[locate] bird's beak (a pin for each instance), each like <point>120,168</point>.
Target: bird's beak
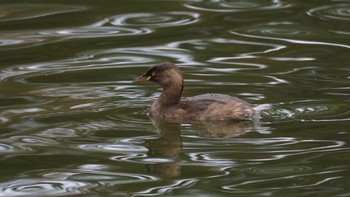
<point>141,79</point>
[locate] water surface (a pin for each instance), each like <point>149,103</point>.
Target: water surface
<point>72,124</point>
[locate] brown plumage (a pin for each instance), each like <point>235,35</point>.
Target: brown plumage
<point>202,107</point>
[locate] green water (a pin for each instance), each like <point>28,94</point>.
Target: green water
<point>73,124</point>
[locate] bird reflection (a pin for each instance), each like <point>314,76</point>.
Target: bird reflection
<point>168,144</point>
<point>222,129</point>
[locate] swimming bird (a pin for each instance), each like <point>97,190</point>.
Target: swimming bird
<point>211,107</point>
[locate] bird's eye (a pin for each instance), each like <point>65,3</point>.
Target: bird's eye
<point>153,73</point>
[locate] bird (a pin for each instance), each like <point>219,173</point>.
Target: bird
<point>204,107</point>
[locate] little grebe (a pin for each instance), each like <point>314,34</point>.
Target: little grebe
<point>202,107</point>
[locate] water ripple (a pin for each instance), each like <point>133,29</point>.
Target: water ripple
<point>284,30</point>
<point>277,170</point>
<point>5,148</point>
<point>305,178</point>
<point>20,39</point>
<point>99,61</point>
<point>263,33</point>
<point>13,12</point>
<point>254,49</point>
<point>41,187</point>
<point>207,159</point>
<point>339,12</point>
<point>266,149</point>
<point>115,148</point>
<point>236,6</point>
<point>166,189</point>
<point>92,32</point>
<point>26,38</point>
<point>155,20</point>
<point>306,111</point>
<point>79,180</point>
<point>99,29</point>
<point>28,143</point>
<point>58,133</point>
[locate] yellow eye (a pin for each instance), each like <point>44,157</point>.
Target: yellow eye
<point>153,73</point>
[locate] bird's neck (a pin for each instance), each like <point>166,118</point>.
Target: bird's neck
<point>171,94</point>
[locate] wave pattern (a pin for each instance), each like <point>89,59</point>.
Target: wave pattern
<point>236,6</point>
<point>339,12</point>
<point>155,20</point>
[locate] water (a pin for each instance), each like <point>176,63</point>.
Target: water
<point>72,124</point>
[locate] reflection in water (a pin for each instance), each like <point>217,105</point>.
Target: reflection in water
<point>223,129</point>
<point>169,143</point>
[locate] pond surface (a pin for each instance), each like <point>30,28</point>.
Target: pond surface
<point>73,124</point>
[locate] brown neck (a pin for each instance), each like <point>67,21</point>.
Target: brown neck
<point>171,94</point>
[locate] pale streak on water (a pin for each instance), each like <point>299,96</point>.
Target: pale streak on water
<point>72,124</point>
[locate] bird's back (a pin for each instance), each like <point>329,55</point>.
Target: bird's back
<point>211,107</point>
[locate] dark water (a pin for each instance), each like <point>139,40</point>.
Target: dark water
<point>72,124</point>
